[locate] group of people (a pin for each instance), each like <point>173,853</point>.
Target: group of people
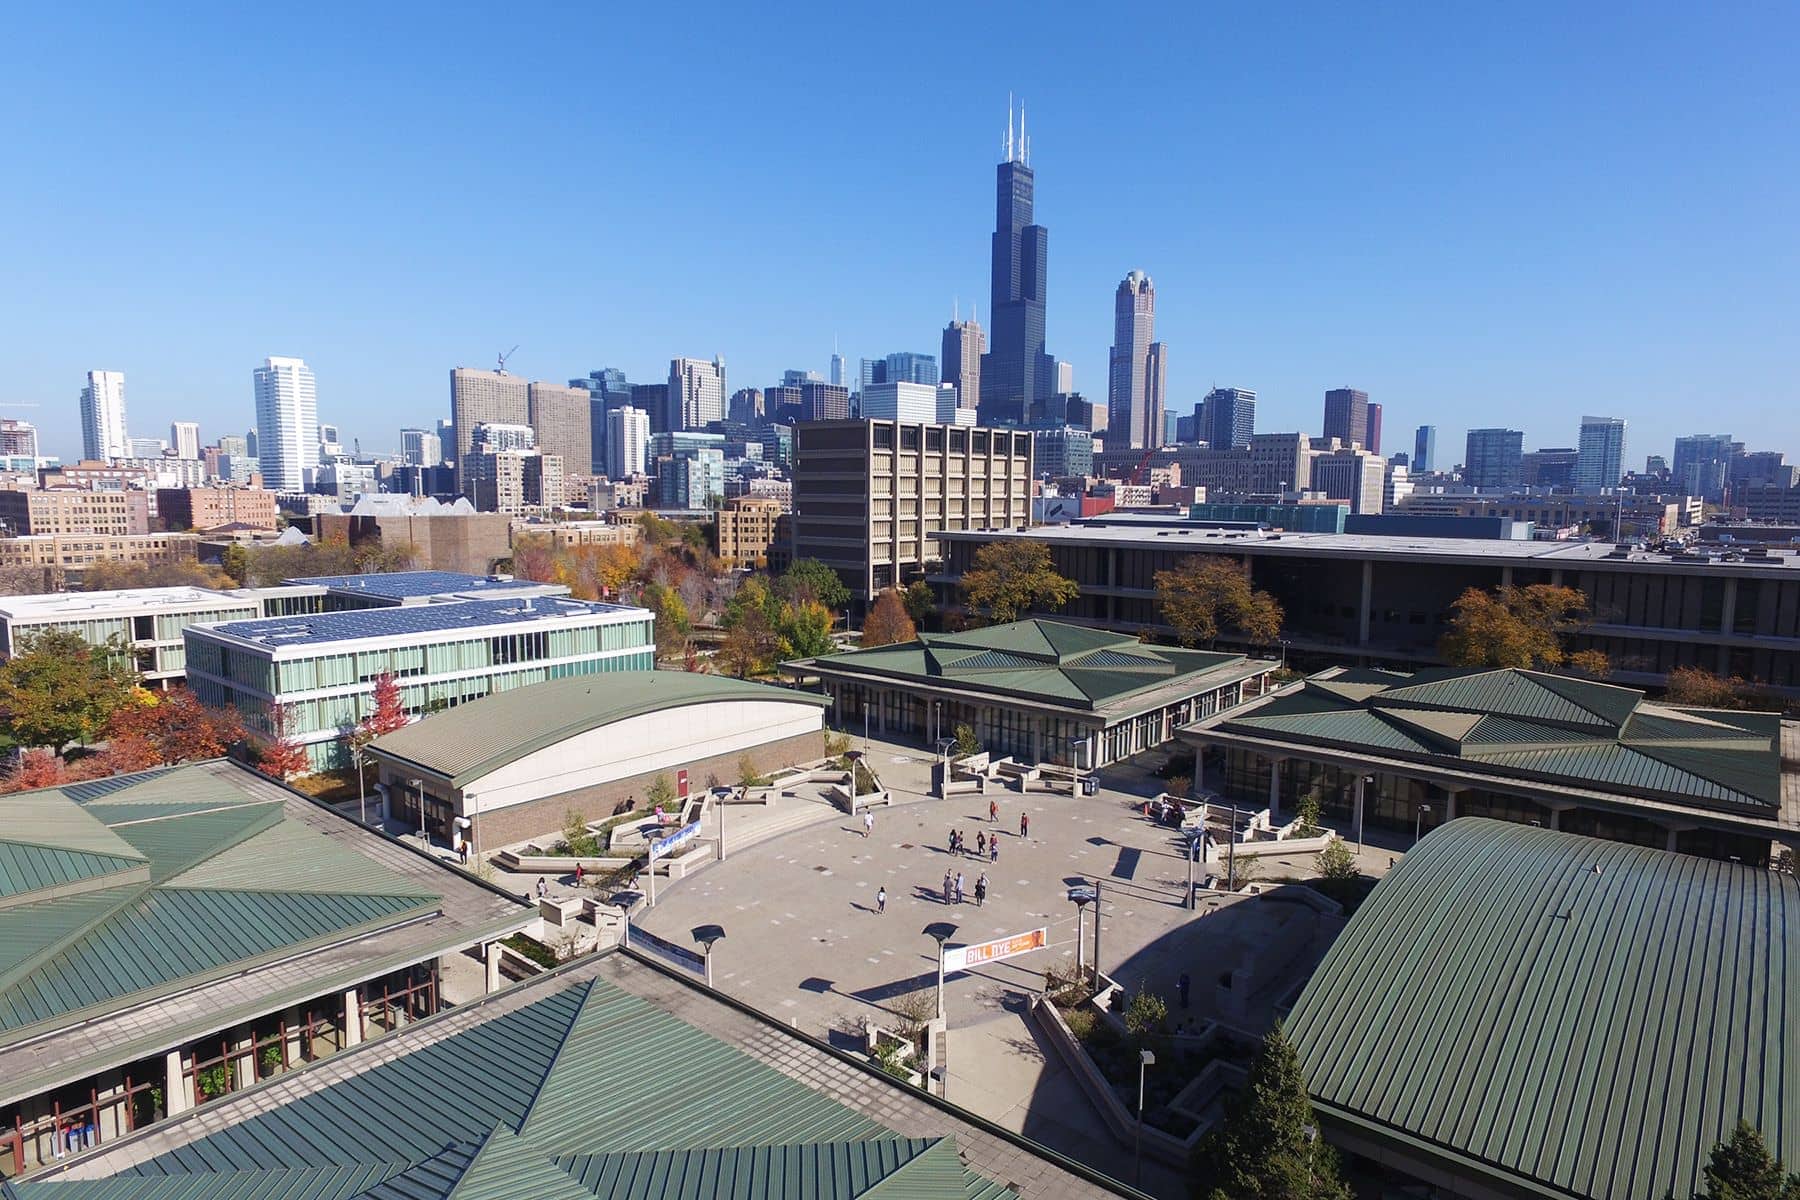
<point>953,888</point>
<point>985,847</point>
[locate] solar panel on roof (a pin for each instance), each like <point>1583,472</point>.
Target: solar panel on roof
<point>384,622</point>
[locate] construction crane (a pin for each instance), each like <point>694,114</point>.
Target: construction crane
<point>504,357</point>
<point>1137,476</point>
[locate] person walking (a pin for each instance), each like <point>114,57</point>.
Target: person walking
<point>868,822</point>
<point>578,874</point>
<point>993,850</point>
<point>1024,825</point>
<point>959,887</point>
<point>993,810</point>
<point>981,845</point>
<point>952,841</point>
<point>543,889</point>
<point>881,900</point>
<point>981,890</point>
<point>947,883</point>
<point>1181,988</point>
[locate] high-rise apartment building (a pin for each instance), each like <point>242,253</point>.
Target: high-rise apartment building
<point>607,389</point>
<point>627,435</point>
<point>964,344</point>
<point>1601,451</point>
<point>915,402</point>
<point>563,421</point>
<point>746,407</point>
<point>696,393</point>
<point>839,368</point>
<point>903,366</point>
<point>1374,427</point>
<point>490,437</point>
<point>1062,453</point>
<point>1350,473</point>
<point>1136,368</point>
<point>1549,467</point>
<point>1347,416</point>
<point>420,448</point>
<point>103,433</point>
<point>1703,465</point>
<point>868,495</point>
<point>824,402</point>
<point>478,397</point>
<point>514,481</point>
<point>184,437</point>
<point>1016,370</point>
<point>287,422</point>
<point>1424,449</point>
<point>1065,377</point>
<point>18,439</point>
<point>1226,419</point>
<point>1494,458</point>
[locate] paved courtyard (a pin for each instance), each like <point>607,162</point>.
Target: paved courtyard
<point>805,942</point>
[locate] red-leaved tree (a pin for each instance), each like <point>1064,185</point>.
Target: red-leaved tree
<point>175,727</point>
<point>389,712</point>
<point>280,756</point>
<point>35,769</point>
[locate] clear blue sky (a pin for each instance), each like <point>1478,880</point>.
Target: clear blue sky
<point>1494,215</point>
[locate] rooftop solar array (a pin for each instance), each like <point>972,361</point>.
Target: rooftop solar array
<point>313,629</point>
<point>406,585</point>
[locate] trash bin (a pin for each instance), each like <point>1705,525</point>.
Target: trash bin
<point>1090,786</point>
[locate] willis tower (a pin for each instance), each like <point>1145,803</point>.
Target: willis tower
<point>1016,372</point>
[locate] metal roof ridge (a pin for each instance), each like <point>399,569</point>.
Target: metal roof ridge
<point>50,950</point>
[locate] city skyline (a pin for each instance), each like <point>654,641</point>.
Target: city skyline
<point>1471,295</point>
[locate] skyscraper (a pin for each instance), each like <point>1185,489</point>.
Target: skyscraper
<point>1600,453</point>
<point>184,437</point>
<point>902,366</point>
<point>964,343</point>
<point>627,434</point>
<point>696,393</point>
<point>1226,419</point>
<point>1424,449</point>
<point>746,407</point>
<point>1374,427</point>
<point>18,439</point>
<point>419,448</point>
<point>562,419</point>
<point>478,397</point>
<point>1136,368</point>
<point>1347,416</point>
<point>103,433</point>
<point>1702,465</point>
<point>838,367</point>
<point>1016,370</point>
<point>1494,458</point>
<point>287,422</point>
<point>824,402</point>
<point>1065,377</point>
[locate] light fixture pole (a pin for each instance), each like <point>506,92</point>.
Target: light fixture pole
<point>1419,822</point>
<point>720,794</point>
<point>1146,1060</point>
<point>706,935</point>
<point>1081,895</point>
<point>1368,785</point>
<point>941,932</point>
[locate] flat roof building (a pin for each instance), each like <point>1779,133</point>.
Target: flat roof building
<point>513,764</point>
<point>1389,599</point>
<point>173,936</point>
<point>148,622</point>
<point>314,674</point>
<point>1041,691</point>
<point>394,589</point>
<point>1416,751</point>
<point>1518,1012</point>
<point>74,510</point>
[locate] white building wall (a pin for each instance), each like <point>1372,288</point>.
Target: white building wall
<point>666,740</point>
<point>287,422</point>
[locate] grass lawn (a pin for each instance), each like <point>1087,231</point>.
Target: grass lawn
<point>329,786</point>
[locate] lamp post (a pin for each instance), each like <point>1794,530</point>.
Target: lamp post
<point>720,795</point>
<point>856,770</point>
<point>941,932</point>
<point>1146,1060</point>
<point>943,749</point>
<point>1368,785</point>
<point>362,788</point>
<point>1081,895</point>
<point>706,935</point>
<point>1196,847</point>
<point>1419,822</point>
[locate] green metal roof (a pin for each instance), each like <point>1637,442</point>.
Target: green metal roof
<point>474,739</point>
<point>590,1091</point>
<point>1072,665</point>
<point>166,880</point>
<point>1543,728</point>
<point>1570,1016</point>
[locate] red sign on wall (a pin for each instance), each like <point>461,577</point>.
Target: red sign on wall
<point>681,783</point>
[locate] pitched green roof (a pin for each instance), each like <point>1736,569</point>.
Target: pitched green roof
<point>1542,728</point>
<point>473,739</point>
<point>1562,1014</point>
<point>588,1091</point>
<point>1072,665</point>
<point>164,880</point>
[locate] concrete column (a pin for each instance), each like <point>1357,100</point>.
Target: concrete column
<point>1727,619</point>
<point>492,958</point>
<point>176,1098</point>
<point>1368,600</point>
<point>1359,811</point>
<point>244,1068</point>
<point>1199,770</point>
<point>1450,795</point>
<point>1669,843</point>
<point>1556,818</point>
<point>1506,576</point>
<point>1275,789</point>
<point>353,1030</point>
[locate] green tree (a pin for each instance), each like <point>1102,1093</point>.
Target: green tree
<point>810,579</point>
<point>1268,1146</point>
<point>1208,596</point>
<point>920,603</point>
<point>1741,1168</point>
<point>673,625</point>
<point>966,741</point>
<point>1009,579</point>
<point>59,689</point>
<point>806,630</point>
<point>1312,818</point>
<point>235,560</point>
<point>1337,861</point>
<point>1519,627</point>
<point>661,793</point>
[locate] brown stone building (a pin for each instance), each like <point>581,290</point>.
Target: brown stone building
<point>446,540</point>
<point>74,510</point>
<point>211,507</point>
<point>746,530</point>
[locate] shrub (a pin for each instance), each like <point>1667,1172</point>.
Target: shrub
<point>966,741</point>
<point>1180,785</point>
<point>836,744</point>
<point>1080,1022</point>
<point>662,792</point>
<point>1145,1014</point>
<point>1311,817</point>
<point>1337,862</point>
<point>914,1009</point>
<point>748,775</point>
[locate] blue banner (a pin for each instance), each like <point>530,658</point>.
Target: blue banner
<point>662,847</point>
<point>666,950</point>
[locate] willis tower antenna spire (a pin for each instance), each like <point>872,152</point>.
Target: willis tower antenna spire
<point>1016,372</point>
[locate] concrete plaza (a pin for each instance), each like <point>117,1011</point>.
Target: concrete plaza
<point>804,940</point>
